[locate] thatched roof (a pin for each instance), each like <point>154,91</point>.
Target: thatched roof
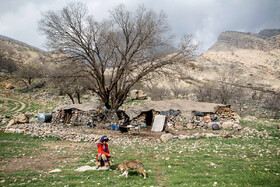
<point>82,107</point>
<point>184,106</point>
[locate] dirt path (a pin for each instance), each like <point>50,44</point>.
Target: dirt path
<point>17,102</point>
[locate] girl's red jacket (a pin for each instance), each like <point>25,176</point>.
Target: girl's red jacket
<point>101,149</point>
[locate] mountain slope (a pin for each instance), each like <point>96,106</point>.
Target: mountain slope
<point>18,51</point>
<point>255,56</point>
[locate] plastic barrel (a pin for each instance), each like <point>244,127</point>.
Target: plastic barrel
<point>116,127</point>
<point>112,127</point>
<point>43,117</point>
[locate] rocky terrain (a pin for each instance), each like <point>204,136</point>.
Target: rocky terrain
<point>265,40</point>
<point>255,58</point>
<point>18,51</point>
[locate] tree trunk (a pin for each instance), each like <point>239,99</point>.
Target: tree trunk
<point>29,80</point>
<point>71,97</point>
<point>78,97</point>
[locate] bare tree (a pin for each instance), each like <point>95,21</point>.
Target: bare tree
<point>226,89</point>
<point>117,52</point>
<point>30,71</point>
<point>66,81</point>
<point>7,64</point>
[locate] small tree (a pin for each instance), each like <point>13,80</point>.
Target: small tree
<point>66,81</point>
<point>227,89</point>
<point>7,64</point>
<point>118,52</point>
<point>30,71</point>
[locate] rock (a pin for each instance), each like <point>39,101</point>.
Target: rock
<point>141,95</point>
<point>227,125</point>
<point>10,130</point>
<point>166,137</point>
<point>85,168</point>
<point>138,95</point>
<point>190,126</point>
<point>55,171</point>
<point>22,118</point>
<point>250,118</point>
<point>179,125</point>
<point>206,119</point>
<point>12,122</point>
<point>183,137</point>
<point>236,126</point>
<point>196,135</point>
<point>9,86</point>
<point>133,94</point>
<point>210,135</point>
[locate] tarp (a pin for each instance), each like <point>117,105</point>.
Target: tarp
<point>82,107</point>
<point>182,105</point>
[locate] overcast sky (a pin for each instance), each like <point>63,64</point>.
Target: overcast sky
<point>205,19</point>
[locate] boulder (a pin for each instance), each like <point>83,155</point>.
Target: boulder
<point>133,94</point>
<point>138,95</point>
<point>10,87</point>
<point>227,125</point>
<point>141,95</point>
<point>166,137</point>
<point>12,122</point>
<point>22,118</point>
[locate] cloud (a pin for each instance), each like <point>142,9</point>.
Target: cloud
<point>205,19</point>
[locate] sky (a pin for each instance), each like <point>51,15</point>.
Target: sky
<point>204,19</point>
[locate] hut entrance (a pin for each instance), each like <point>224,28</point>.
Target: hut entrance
<point>148,117</point>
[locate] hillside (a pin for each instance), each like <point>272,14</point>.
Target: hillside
<point>256,57</point>
<point>19,51</point>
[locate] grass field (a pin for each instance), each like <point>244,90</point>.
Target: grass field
<point>26,161</point>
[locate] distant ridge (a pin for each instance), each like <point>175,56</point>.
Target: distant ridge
<point>265,40</point>
<point>6,38</point>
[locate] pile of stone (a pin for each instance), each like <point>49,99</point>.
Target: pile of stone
<point>224,118</point>
<point>21,118</point>
<point>69,133</point>
<point>50,130</point>
<point>175,121</point>
<point>74,117</point>
<point>84,114</point>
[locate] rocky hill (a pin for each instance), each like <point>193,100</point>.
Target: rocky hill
<point>266,40</point>
<point>256,57</point>
<point>18,51</point>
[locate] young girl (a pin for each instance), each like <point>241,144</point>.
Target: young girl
<point>103,152</point>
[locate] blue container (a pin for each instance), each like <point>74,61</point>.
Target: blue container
<point>116,127</point>
<point>43,117</point>
<point>112,127</point>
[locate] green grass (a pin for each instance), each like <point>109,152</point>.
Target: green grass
<point>192,162</point>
